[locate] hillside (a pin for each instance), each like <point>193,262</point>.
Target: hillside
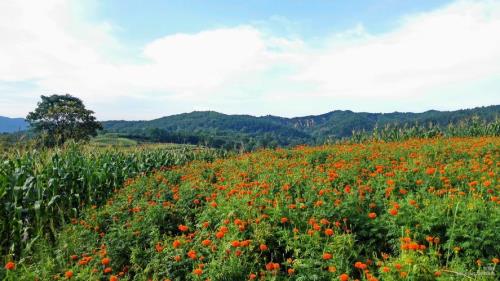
<point>9,125</point>
<point>219,129</point>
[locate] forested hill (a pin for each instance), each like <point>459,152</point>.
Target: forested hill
<point>9,125</point>
<point>217,129</point>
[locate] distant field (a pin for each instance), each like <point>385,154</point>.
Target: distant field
<point>112,140</point>
<point>421,209</point>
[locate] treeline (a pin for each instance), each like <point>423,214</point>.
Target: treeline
<point>246,133</point>
<point>225,140</point>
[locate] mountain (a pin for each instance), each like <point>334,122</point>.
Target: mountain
<point>217,129</point>
<point>10,125</point>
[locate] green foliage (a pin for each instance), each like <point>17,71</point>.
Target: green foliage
<point>422,209</point>
<point>247,133</point>
<point>59,118</point>
<point>40,190</point>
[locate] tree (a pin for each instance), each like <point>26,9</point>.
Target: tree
<point>59,118</point>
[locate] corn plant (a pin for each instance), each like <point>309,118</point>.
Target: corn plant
<point>41,190</point>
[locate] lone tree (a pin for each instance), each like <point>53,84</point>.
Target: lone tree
<point>59,118</point>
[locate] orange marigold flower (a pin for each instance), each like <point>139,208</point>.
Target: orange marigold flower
<point>291,271</point>
<point>393,212</point>
<point>219,235</point>
<point>235,243</point>
<point>284,220</point>
<point>192,254</point>
<point>105,261</point>
<point>198,271</point>
<point>386,269</point>
<point>107,270</point>
<point>252,276</point>
<point>327,256</point>
<point>10,265</point>
<point>68,274</point>
<point>113,278</point>
<point>329,232</point>
<point>183,228</point>
<point>263,247</point>
<point>176,243</point>
<point>159,247</point>
<point>343,277</point>
<point>206,242</point>
<point>372,215</point>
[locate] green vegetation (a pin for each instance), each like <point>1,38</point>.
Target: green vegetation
<point>422,209</point>
<point>59,118</point>
<point>41,190</point>
<point>112,140</point>
<point>246,133</point>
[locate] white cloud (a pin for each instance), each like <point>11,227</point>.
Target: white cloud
<point>420,65</point>
<point>455,44</point>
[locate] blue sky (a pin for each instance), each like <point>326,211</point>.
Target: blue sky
<point>145,59</point>
<point>141,21</point>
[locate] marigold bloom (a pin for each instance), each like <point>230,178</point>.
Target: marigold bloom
<point>107,270</point>
<point>263,247</point>
<point>68,274</point>
<point>198,271</point>
<point>235,243</point>
<point>343,277</point>
<point>329,232</point>
<point>105,261</point>
<point>183,228</point>
<point>206,242</point>
<point>113,278</point>
<point>176,243</point>
<point>192,254</point>
<point>219,235</point>
<point>10,265</point>
<point>393,212</point>
<point>284,220</point>
<point>372,215</point>
<point>327,256</point>
<point>159,247</point>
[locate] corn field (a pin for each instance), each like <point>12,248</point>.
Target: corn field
<point>473,127</point>
<point>42,190</point>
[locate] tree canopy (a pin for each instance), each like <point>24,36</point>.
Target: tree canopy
<point>59,118</point>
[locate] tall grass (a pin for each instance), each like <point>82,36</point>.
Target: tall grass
<point>40,190</point>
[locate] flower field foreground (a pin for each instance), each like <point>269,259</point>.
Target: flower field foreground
<point>412,210</point>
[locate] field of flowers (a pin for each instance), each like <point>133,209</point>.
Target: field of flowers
<point>412,210</point>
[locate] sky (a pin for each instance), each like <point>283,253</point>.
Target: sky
<point>131,59</point>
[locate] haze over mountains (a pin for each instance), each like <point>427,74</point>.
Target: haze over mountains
<point>10,125</point>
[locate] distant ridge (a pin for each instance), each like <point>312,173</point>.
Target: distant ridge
<point>10,125</point>
<point>211,126</point>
